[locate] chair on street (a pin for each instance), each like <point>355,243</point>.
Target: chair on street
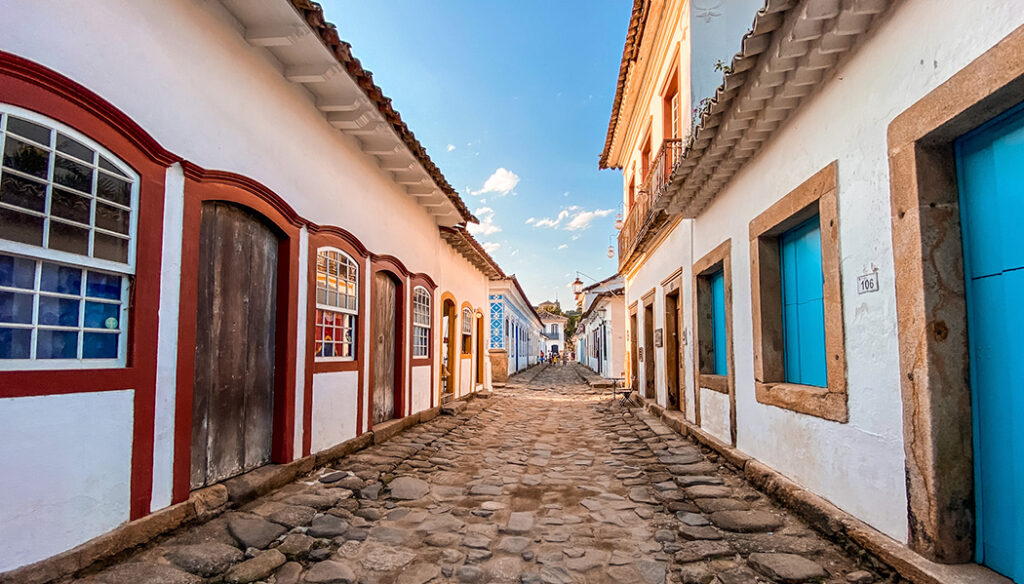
<point>625,392</point>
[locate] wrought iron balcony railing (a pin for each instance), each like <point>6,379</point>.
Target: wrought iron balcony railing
<point>651,189</point>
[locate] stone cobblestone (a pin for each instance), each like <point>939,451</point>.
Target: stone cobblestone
<point>548,481</point>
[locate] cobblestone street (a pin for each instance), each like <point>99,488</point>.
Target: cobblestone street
<point>546,481</point>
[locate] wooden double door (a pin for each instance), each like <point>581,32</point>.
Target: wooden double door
<point>386,347</point>
<point>235,352</point>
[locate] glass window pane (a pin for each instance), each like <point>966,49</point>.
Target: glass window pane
<point>20,227</point>
<point>17,272</point>
<point>112,248</point>
<point>56,344</point>
<point>108,165</point>
<point>100,285</point>
<point>102,315</point>
<point>70,206</point>
<point>27,129</point>
<point>69,238</point>
<point>99,346</point>
<point>26,157</point>
<point>60,279</point>
<point>25,193</point>
<point>72,174</point>
<point>15,343</point>
<point>74,148</point>
<point>112,218</point>
<point>16,308</point>
<point>58,311</point>
<point>114,189</point>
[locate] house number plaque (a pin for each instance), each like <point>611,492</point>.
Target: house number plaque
<point>867,283</point>
<point>659,337</point>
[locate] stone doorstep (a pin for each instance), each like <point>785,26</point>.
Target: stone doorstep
<point>826,518</point>
<point>203,504</point>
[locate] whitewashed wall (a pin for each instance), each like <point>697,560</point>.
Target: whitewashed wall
<point>66,471</point>
<point>335,398</point>
<point>422,383</point>
<point>859,466</point>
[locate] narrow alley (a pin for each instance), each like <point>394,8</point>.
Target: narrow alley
<point>546,480</point>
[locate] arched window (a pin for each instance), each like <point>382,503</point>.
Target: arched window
<point>420,322</point>
<point>67,246</point>
<point>337,305</point>
<point>467,330</point>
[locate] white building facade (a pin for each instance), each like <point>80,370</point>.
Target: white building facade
<point>601,332</point>
<point>833,136</point>
<point>140,143</point>
<point>516,329</point>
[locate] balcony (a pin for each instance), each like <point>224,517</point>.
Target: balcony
<point>643,215</point>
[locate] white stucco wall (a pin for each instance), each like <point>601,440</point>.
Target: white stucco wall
<point>859,466</point>
<point>334,408</point>
<point>421,388</point>
<point>76,451</point>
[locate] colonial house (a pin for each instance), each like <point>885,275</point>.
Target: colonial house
<point>554,331</point>
<point>516,329</point>
<point>220,248</point>
<point>832,232</point>
<point>600,332</point>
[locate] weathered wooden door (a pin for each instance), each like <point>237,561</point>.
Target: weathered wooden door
<point>649,351</point>
<point>384,347</point>
<point>672,359</point>
<point>634,375</point>
<point>991,176</point>
<point>233,389</point>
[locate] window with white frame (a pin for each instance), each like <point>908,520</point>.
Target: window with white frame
<point>67,246</point>
<point>337,305</point>
<point>467,331</point>
<point>420,322</point>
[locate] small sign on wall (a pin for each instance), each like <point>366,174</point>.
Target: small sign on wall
<point>659,337</point>
<point>867,283</point>
<point>640,353</point>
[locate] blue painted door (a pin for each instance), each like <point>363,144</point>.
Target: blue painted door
<point>803,304</point>
<point>991,174</point>
<point>718,318</point>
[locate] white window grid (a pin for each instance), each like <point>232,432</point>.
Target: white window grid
<point>337,292</point>
<point>467,321</point>
<point>102,163</point>
<point>421,322</point>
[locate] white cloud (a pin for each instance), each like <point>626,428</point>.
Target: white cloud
<point>451,147</point>
<point>531,220</point>
<point>582,219</point>
<point>486,225</point>
<point>576,236</point>
<point>564,246</point>
<point>572,218</point>
<point>514,253</point>
<point>491,246</point>
<point>501,182</point>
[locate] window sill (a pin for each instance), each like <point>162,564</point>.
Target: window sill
<point>811,400</point>
<point>332,366</point>
<point>719,383</point>
<point>421,361</point>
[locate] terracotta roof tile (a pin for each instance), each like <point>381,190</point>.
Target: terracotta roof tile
<point>313,13</point>
<point>634,33</point>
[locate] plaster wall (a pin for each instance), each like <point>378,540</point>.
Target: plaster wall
<point>859,466</point>
<point>334,408</point>
<point>152,59</point>
<point>673,253</point>
<point>421,388</point>
<point>77,449</point>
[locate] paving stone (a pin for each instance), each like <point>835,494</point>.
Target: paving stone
<point>860,577</point>
<point>489,490</point>
<point>333,477</point>
<point>296,545</point>
<point>409,488</point>
<point>708,492</point>
<point>737,575</point>
<point>651,571</point>
<point>386,558</point>
<point>318,502</point>
<point>694,551</point>
<point>293,515</point>
<point>696,573</point>
<point>642,495</point>
<point>555,575</point>
<point>327,526</point>
<point>712,505</point>
<point>257,568</point>
<point>370,491</point>
<point>692,519</point>
<point>289,573</point>
<point>787,568</point>
<point>513,544</point>
<point>251,531</point>
<point>746,521</point>
<point>393,535</point>
<point>208,559</point>
<point>137,572</point>
<point>330,572</point>
<point>469,573</point>
<point>695,480</point>
<point>692,533</point>
<point>519,522</point>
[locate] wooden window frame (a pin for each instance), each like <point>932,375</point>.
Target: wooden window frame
<point>717,259</point>
<point>354,313</point>
<point>466,338</point>
<point>931,308</point>
<point>419,281</point>
<point>818,195</point>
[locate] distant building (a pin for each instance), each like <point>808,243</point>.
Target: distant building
<point>550,305</point>
<point>516,329</point>
<point>554,330</point>
<point>600,332</point>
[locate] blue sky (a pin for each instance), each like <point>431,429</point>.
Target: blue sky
<point>511,100</point>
